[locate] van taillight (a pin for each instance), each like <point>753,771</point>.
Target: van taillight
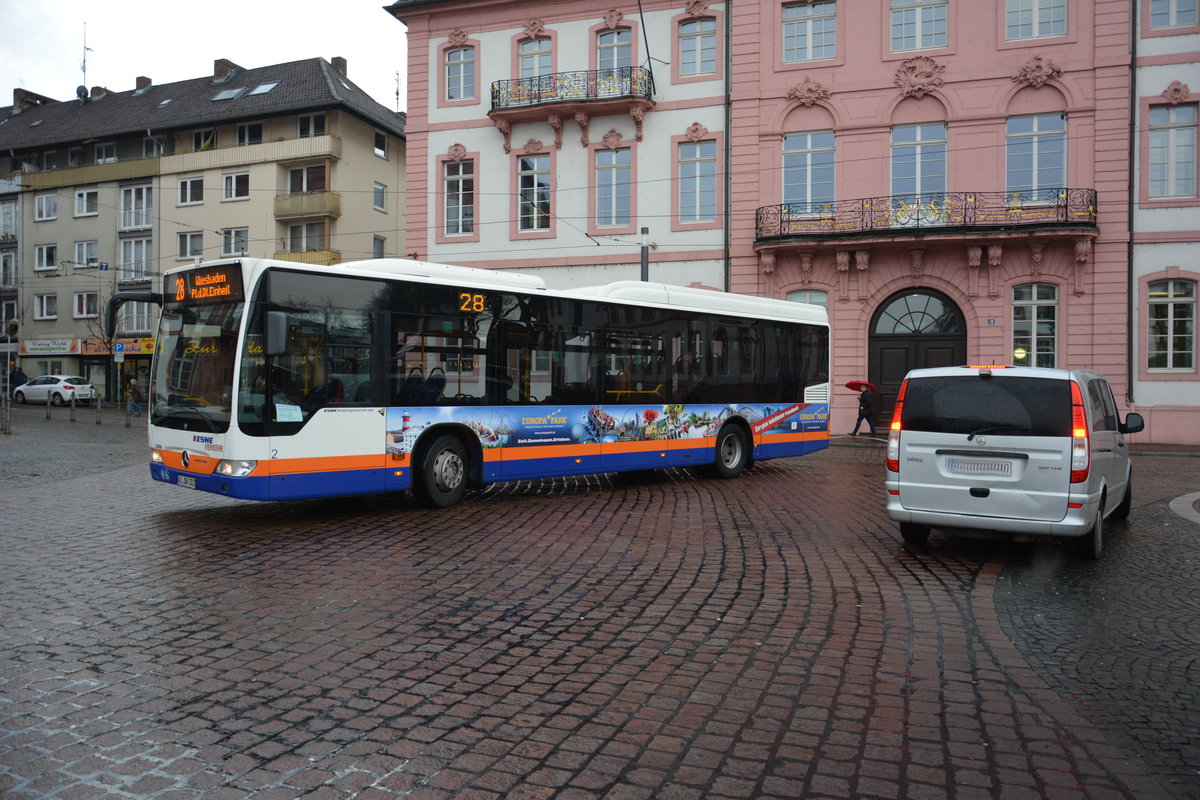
<point>893,444</point>
<point>1080,447</point>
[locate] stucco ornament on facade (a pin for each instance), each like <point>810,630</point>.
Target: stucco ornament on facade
<point>534,28</point>
<point>1036,71</point>
<point>807,92</point>
<point>582,120</point>
<point>696,8</point>
<point>638,115</point>
<point>534,146</point>
<point>556,125</point>
<point>612,139</point>
<point>1035,259</point>
<point>457,37</point>
<point>1083,254</point>
<point>919,76</point>
<point>696,132</point>
<point>612,19</point>
<point>456,152</point>
<point>974,259</point>
<point>1176,93</point>
<point>505,129</point>
<point>806,268</point>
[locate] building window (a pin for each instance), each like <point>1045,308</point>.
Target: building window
<point>1035,19</point>
<point>45,256</point>
<point>191,191</point>
<point>614,194</point>
<point>106,152</point>
<point>191,244</point>
<point>1172,13</point>
<point>698,47</point>
<point>1171,342</point>
<point>614,49</point>
<point>87,305</point>
<point>235,241</point>
<point>8,268</point>
<point>460,73</point>
<point>135,259</point>
<point>918,24</point>
<point>1036,157</point>
<point>204,140</point>
<point>459,182</point>
<point>45,207</point>
<point>698,181</point>
<point>381,144</point>
<point>45,306</point>
<point>378,246</point>
<point>306,236</point>
<point>249,133</point>
<point>809,31</point>
<point>237,186</point>
<point>136,317</point>
<point>87,254</point>
<point>137,207</point>
<point>1173,151</point>
<point>87,202</point>
<point>379,195</point>
<point>918,163</point>
<point>1035,325</point>
<point>811,296</point>
<point>50,159</point>
<point>533,199</point>
<point>153,146</point>
<point>307,179</point>
<point>8,220</point>
<point>75,156</point>
<point>534,56</point>
<point>808,172</point>
<point>311,125</point>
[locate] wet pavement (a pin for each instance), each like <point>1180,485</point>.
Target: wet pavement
<point>677,637</point>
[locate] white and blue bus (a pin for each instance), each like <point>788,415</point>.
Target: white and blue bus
<point>276,380</point>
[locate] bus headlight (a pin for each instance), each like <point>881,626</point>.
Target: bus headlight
<point>236,469</point>
<point>156,457</point>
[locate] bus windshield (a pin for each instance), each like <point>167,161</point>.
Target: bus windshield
<point>192,384</point>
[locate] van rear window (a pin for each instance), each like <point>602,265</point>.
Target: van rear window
<point>1001,406</point>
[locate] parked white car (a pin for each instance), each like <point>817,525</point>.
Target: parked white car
<point>61,389</point>
<point>1025,452</point>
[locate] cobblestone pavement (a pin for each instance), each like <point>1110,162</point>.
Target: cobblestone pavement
<point>675,638</point>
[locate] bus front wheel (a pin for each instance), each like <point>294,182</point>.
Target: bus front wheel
<point>443,473</point>
<point>733,452</point>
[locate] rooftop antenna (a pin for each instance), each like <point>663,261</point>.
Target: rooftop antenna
<point>397,91</point>
<point>86,50</point>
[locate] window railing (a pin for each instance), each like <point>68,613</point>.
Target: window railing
<point>938,211</point>
<point>566,87</point>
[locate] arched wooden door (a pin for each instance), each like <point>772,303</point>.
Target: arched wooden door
<point>912,329</point>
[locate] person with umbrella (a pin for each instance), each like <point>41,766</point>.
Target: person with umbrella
<point>866,405</point>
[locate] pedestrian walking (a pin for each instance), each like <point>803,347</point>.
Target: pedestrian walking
<point>866,410</point>
<point>135,396</point>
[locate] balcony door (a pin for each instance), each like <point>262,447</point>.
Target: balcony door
<point>912,329</point>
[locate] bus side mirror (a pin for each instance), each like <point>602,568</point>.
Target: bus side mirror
<point>277,333</point>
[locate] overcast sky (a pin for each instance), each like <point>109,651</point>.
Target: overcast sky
<point>171,41</point>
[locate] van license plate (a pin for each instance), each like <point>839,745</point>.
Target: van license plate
<point>186,480</point>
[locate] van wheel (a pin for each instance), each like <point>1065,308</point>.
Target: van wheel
<point>1091,544</point>
<point>1122,510</point>
<point>733,452</point>
<point>442,481</point>
<point>913,533</point>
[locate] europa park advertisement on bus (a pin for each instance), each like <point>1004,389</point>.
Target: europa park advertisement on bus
<point>540,425</point>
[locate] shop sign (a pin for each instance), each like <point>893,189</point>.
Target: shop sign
<point>49,347</point>
<point>131,347</point>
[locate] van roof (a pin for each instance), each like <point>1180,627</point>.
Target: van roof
<point>1003,370</point>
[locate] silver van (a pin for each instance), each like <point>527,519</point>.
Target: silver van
<point>1019,451</point>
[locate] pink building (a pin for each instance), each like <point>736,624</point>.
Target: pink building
<point>952,180</point>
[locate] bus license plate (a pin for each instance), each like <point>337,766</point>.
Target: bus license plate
<point>186,480</point>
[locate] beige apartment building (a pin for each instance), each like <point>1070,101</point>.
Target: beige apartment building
<point>108,190</point>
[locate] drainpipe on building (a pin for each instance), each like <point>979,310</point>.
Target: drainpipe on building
<point>728,140</point>
<point>1131,284</point>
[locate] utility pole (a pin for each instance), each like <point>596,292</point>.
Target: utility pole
<point>645,254</point>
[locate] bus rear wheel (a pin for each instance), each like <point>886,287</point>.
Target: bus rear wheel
<point>442,480</point>
<point>733,452</point>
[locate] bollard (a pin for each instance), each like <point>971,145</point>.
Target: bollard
<point>72,406</point>
<point>128,414</point>
<point>48,406</point>
<point>98,404</point>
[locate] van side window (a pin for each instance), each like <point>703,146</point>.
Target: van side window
<point>1103,418</point>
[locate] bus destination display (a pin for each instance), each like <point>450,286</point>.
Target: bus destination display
<point>206,285</point>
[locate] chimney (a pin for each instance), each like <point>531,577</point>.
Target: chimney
<point>339,64</point>
<point>142,82</point>
<point>223,68</point>
<point>98,91</point>
<point>23,98</point>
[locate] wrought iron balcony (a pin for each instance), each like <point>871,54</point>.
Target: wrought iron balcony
<point>573,87</point>
<point>941,212</point>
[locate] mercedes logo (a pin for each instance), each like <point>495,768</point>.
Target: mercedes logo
<point>186,458</point>
<point>979,440</point>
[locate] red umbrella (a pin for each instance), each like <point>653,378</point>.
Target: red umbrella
<point>858,386</point>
